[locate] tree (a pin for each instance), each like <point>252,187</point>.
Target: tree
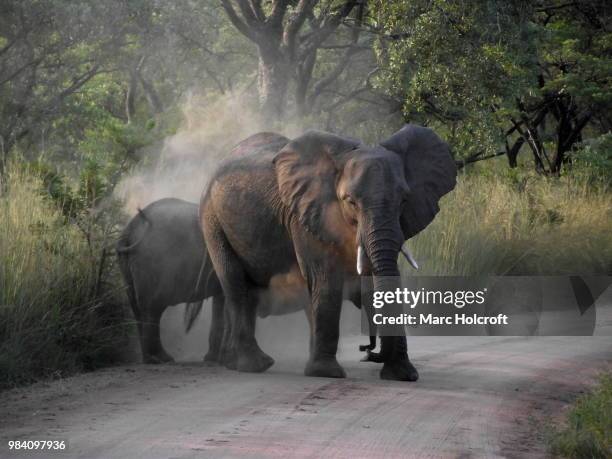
<point>48,53</point>
<point>500,78</point>
<point>287,37</point>
<point>574,91</point>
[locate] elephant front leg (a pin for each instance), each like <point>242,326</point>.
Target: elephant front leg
<point>393,347</point>
<point>326,304</point>
<point>397,365</point>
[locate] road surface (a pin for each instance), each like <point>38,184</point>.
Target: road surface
<point>477,397</point>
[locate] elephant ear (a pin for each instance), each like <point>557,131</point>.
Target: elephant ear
<point>306,171</point>
<point>430,173</point>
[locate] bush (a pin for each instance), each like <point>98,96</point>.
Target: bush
<point>593,159</point>
<point>60,307</point>
<point>588,430</point>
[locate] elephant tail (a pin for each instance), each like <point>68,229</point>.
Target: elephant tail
<point>126,271</point>
<point>207,286</point>
<point>123,245</point>
<point>192,311</point>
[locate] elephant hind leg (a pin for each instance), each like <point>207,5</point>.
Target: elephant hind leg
<point>248,355</point>
<point>311,325</point>
<point>215,335</point>
<point>227,354</point>
<point>152,349</point>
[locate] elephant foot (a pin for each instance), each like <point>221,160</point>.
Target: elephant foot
<point>211,359</point>
<point>325,368</point>
<point>254,361</point>
<point>399,370</point>
<point>372,357</point>
<point>160,357</point>
<point>229,360</point>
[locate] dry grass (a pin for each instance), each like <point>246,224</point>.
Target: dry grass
<point>532,225</point>
<point>56,316</point>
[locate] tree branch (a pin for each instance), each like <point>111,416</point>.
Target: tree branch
<point>295,23</point>
<point>237,22</point>
<point>339,68</point>
<point>33,63</point>
<point>548,8</point>
<point>329,25</point>
<point>77,83</point>
<point>257,11</point>
<point>279,8</point>
<point>461,163</point>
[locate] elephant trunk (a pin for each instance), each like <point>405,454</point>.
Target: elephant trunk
<point>382,242</point>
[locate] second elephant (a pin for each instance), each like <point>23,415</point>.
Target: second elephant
<point>164,262</point>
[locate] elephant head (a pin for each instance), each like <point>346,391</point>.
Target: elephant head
<point>386,194</point>
<point>373,197</point>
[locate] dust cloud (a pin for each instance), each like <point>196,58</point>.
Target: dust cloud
<point>180,167</point>
<point>284,338</point>
<point>181,164</point>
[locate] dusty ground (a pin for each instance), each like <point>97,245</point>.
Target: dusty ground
<point>477,397</point>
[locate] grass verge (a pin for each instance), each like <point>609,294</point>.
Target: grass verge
<point>588,428</point>
<point>60,309</point>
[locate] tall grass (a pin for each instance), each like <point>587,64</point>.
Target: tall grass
<point>588,429</point>
<point>58,313</point>
<point>519,225</point>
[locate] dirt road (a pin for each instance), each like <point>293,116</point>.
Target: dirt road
<point>477,397</point>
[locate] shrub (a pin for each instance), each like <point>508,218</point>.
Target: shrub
<point>60,307</point>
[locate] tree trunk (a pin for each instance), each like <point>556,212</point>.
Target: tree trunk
<point>304,76</point>
<point>130,97</point>
<point>273,77</point>
<point>514,151</point>
<point>151,94</point>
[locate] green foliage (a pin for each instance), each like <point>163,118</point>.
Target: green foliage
<point>578,55</point>
<point>588,430</point>
<point>477,70</point>
<point>594,160</point>
<point>460,66</point>
<point>61,309</point>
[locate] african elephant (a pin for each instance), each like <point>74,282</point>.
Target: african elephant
<point>310,214</point>
<point>163,261</point>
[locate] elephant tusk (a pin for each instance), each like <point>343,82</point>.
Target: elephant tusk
<point>360,260</point>
<point>410,258</point>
